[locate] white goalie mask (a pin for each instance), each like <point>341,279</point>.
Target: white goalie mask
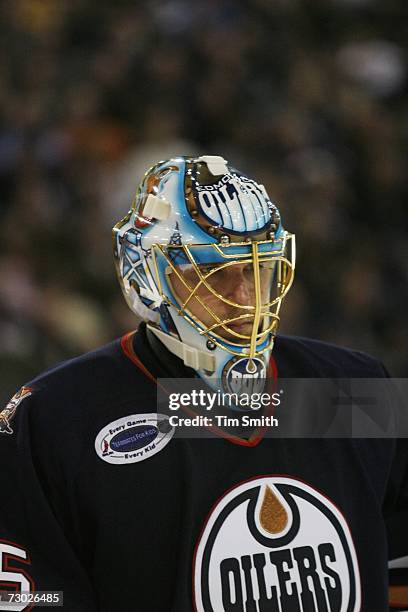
<point>203,257</point>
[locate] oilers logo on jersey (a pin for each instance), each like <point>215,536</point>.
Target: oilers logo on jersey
<point>275,543</point>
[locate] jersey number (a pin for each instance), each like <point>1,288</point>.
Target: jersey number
<point>12,579</point>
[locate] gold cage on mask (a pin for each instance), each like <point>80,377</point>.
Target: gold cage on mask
<point>232,293</point>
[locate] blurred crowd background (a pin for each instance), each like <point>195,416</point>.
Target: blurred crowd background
<point>309,97</point>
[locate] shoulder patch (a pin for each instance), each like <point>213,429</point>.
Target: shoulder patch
<point>133,438</point>
<point>9,411</point>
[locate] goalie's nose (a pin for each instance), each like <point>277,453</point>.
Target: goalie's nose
<point>239,288</point>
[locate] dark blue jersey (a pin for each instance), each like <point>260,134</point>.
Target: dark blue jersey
<point>101,501</point>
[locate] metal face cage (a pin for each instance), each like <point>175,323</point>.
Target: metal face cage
<point>231,293</point>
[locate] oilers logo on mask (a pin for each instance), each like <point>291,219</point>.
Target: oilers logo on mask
<point>275,543</point>
<point>244,376</point>
<point>235,203</point>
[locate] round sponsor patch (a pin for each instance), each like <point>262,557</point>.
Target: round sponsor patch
<point>275,543</point>
<point>133,438</point>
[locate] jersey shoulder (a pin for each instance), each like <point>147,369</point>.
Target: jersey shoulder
<point>81,387</point>
<point>57,415</point>
<point>103,374</point>
<point>306,357</point>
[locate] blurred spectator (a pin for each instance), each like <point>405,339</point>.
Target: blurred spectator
<point>308,97</point>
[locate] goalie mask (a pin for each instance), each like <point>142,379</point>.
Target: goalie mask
<point>202,255</point>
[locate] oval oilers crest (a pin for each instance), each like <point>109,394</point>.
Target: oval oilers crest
<point>276,544</point>
<point>244,375</point>
<point>235,203</point>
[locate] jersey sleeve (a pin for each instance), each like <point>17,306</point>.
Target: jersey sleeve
<point>396,517</point>
<point>35,551</point>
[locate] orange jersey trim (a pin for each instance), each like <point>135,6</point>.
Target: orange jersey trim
<point>398,596</point>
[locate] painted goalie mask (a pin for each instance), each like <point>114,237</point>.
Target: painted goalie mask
<point>202,255</point>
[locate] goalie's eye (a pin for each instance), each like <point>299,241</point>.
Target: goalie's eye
<point>206,269</point>
<point>269,264</point>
